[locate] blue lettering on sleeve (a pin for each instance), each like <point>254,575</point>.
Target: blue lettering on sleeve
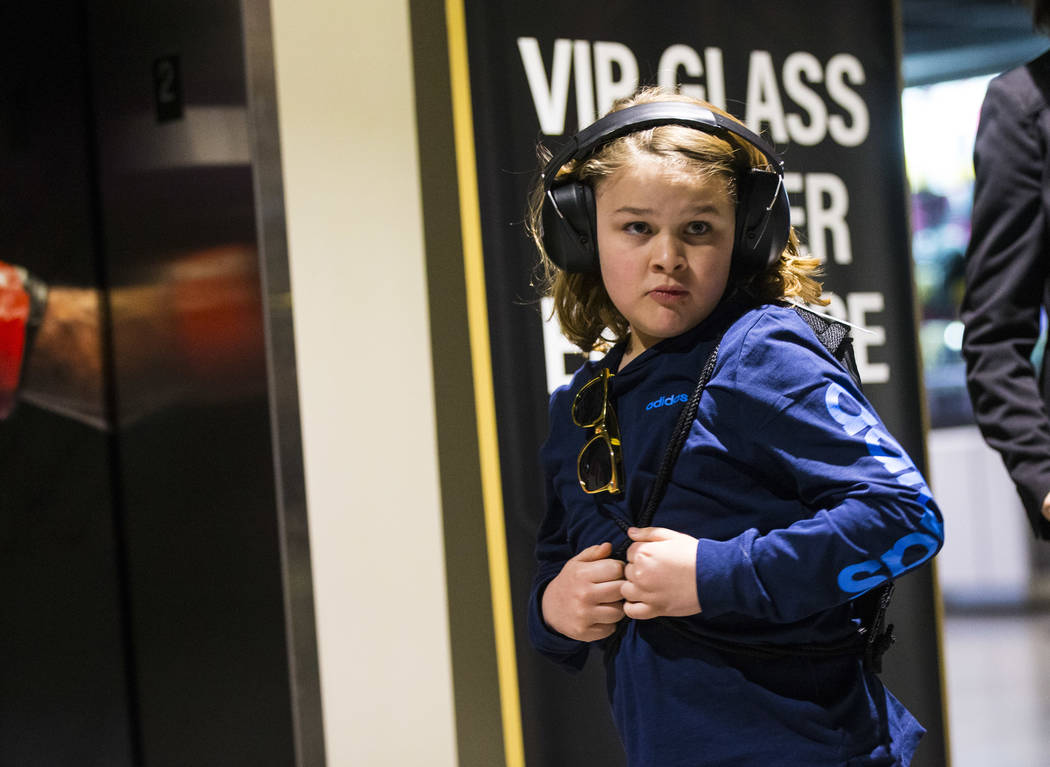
<point>848,577</point>
<point>886,451</point>
<point>894,558</point>
<point>854,418</point>
<point>851,415</point>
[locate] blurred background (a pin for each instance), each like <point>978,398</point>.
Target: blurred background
<point>993,575</point>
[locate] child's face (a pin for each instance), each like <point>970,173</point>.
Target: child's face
<point>665,240</point>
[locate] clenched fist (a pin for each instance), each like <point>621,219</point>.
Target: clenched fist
<point>583,601</point>
<point>660,574</point>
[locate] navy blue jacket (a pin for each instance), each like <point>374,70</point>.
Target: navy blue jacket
<point>800,501</point>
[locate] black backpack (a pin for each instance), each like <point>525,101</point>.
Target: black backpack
<point>873,637</point>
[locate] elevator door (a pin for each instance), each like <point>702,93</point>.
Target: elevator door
<point>197,491</point>
<point>144,519</point>
<point>65,691</point>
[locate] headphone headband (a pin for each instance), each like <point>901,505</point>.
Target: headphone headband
<point>643,116</point>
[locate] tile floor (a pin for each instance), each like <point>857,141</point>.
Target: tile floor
<point>998,683</point>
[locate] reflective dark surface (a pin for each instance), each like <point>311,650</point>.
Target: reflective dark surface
<point>152,520</point>
<point>195,458</point>
<point>64,686</point>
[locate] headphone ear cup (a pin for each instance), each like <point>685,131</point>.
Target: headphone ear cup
<point>569,229</point>
<point>763,220</point>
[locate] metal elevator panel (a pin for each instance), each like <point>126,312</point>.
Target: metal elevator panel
<point>197,485</point>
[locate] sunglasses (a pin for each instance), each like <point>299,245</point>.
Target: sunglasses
<point>599,465</point>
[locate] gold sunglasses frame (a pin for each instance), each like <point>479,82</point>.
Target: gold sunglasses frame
<point>602,431</point>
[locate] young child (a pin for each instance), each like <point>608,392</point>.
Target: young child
<point>728,633</point>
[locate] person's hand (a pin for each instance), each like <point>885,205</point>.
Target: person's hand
<point>660,573</point>
<point>583,601</point>
<point>1046,507</point>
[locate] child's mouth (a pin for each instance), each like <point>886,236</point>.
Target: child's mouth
<point>668,295</point>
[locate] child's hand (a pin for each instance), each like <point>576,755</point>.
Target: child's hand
<point>583,602</point>
<point>660,573</point>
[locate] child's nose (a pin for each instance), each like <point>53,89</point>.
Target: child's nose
<point>668,254</point>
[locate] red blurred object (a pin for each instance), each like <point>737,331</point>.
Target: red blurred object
<point>14,314</point>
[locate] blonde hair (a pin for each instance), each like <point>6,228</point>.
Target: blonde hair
<point>581,303</point>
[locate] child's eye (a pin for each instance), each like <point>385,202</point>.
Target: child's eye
<point>697,228</point>
<point>636,227</point>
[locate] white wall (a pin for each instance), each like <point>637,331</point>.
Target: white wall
<point>986,558</point>
<point>346,111</point>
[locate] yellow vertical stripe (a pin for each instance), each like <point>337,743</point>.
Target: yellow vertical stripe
<point>477,316</point>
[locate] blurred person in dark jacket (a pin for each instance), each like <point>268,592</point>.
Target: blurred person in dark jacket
<point>1008,276</point>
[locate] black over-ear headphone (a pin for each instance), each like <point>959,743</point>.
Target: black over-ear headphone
<point>763,214</point>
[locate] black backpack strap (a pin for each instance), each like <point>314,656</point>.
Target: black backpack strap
<point>870,608</point>
<point>833,336</point>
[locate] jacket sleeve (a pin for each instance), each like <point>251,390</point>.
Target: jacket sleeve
<point>812,436</point>
<point>1006,272</point>
<point>552,552</point>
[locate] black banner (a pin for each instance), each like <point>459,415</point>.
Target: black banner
<point>819,79</point>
